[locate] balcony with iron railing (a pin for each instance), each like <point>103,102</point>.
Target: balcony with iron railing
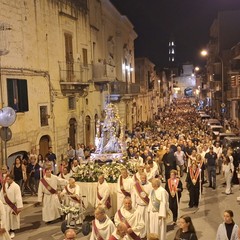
<point>103,73</point>
<point>124,90</point>
<point>74,77</point>
<point>233,93</point>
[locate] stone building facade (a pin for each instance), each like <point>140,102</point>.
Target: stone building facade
<point>66,59</point>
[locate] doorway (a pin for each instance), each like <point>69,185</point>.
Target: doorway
<point>44,145</point>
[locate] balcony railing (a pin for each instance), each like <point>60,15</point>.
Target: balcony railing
<point>73,77</point>
<point>234,93</point>
<point>73,72</point>
<point>121,88</point>
<point>103,72</point>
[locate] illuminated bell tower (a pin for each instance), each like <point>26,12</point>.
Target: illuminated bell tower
<point>171,51</point>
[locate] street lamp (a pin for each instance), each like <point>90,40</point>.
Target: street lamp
<point>204,53</point>
<point>7,118</point>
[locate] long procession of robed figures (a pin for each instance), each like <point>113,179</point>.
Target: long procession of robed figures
<point>131,182</point>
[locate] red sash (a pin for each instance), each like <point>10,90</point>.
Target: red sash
<point>141,193</point>
<point>133,235</point>
<point>194,176</point>
<point>99,237</point>
<point>74,198</point>
<point>108,201</point>
<point>9,202</point>
<point>135,178</point>
<point>173,187</point>
<point>127,194</point>
<point>47,186</point>
<point>112,238</point>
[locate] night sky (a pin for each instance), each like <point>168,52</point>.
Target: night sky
<point>187,20</point>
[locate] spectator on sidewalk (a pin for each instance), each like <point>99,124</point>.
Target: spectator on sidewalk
<point>228,229</point>
<point>186,229</point>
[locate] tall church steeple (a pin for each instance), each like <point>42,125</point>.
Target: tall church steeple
<point>171,50</point>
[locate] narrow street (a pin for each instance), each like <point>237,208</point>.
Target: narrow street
<point>206,218</point>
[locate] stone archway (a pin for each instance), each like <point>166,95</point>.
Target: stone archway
<point>44,144</point>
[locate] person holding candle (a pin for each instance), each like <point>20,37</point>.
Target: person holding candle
<point>47,193</point>
<point>174,188</point>
<point>193,184</point>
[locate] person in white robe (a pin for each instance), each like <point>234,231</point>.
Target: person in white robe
<point>74,167</point>
<point>125,188</point>
<point>158,209</point>
<point>48,195</point>
<point>12,192</point>
<point>103,195</point>
<point>65,174</point>
<point>102,226</point>
<point>140,200</point>
<point>132,218</point>
<point>71,197</point>
<point>120,232</point>
<point>4,235</point>
<point>140,170</point>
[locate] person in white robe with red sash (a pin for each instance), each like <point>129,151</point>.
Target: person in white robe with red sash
<point>71,196</point>
<point>136,176</point>
<point>74,167</point>
<point>193,184</point>
<point>103,195</point>
<point>102,225</point>
<point>65,174</point>
<point>140,199</point>
<point>48,195</point>
<point>4,235</point>
<point>12,199</point>
<point>158,209</point>
<point>132,218</point>
<point>120,232</point>
<point>124,187</point>
<point>174,189</point>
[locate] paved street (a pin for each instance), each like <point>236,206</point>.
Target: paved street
<point>206,219</point>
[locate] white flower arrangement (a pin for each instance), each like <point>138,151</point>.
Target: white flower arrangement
<point>111,171</point>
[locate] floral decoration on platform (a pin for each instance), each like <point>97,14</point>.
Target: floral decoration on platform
<point>110,170</point>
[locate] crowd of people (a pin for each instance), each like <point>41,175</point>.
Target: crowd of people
<point>173,153</point>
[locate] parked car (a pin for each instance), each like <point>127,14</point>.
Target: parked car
<point>215,129</point>
<point>213,121</point>
<point>233,142</point>
<point>205,116</point>
<point>224,135</point>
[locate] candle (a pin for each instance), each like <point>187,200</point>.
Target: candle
<point>40,169</point>
<point>55,168</point>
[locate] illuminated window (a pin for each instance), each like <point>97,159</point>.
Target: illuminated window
<point>17,94</point>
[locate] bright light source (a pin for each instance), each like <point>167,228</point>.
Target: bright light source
<point>197,69</point>
<point>193,75</point>
<point>204,53</point>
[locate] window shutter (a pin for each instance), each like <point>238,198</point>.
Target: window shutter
<point>23,95</point>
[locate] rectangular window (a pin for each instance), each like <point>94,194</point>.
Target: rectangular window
<point>85,58</point>
<point>69,56</point>
<point>71,103</point>
<point>44,116</point>
<point>17,94</point>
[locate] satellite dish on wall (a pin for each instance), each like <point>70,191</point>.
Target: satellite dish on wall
<point>7,116</point>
